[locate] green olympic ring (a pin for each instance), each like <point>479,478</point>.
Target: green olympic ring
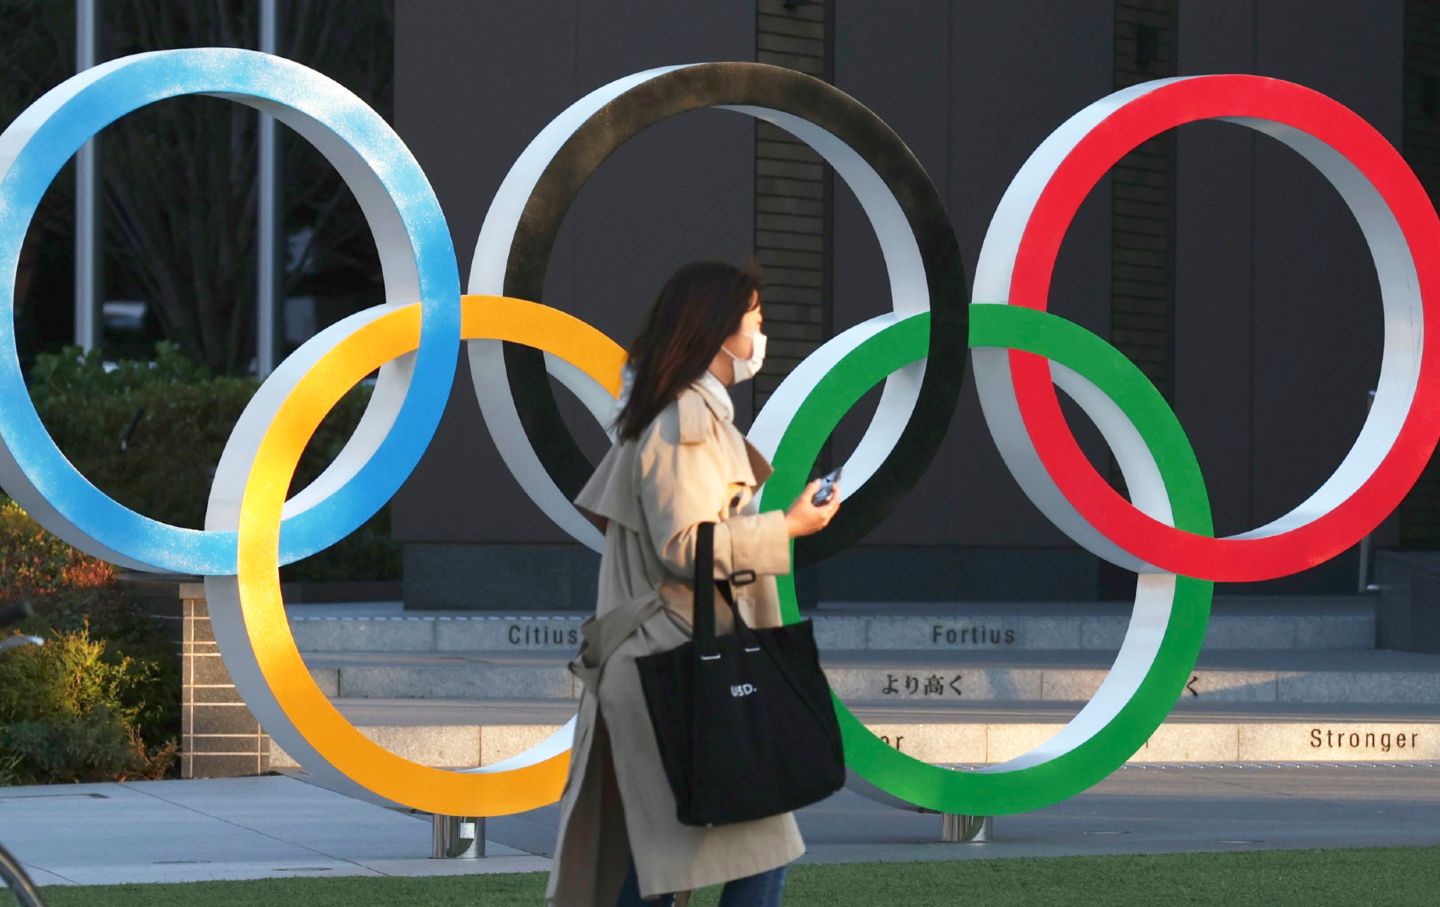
<point>1100,738</point>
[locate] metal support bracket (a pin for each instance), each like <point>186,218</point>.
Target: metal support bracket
<point>457,838</point>
<point>958,829</point>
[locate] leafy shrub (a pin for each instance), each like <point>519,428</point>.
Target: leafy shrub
<point>74,709</point>
<point>101,699</point>
<point>86,708</point>
<point>150,435</point>
<point>34,562</point>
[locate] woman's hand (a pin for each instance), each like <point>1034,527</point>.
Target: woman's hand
<point>804,518</point>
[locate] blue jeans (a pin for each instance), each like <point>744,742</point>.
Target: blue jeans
<point>762,890</point>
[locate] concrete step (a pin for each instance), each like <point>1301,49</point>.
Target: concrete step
<point>1238,622</point>
<point>467,733</point>
<point>877,676</point>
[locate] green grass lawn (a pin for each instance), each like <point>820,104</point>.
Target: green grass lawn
<point>1399,875</point>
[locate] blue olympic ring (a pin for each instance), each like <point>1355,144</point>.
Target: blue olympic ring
<point>404,213</point>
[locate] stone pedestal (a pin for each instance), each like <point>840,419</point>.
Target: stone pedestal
<point>219,736</point>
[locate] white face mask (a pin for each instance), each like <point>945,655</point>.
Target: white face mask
<point>746,369</point>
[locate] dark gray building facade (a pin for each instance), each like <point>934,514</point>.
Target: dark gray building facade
<point>1216,259</point>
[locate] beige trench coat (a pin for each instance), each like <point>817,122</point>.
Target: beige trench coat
<point>691,465</point>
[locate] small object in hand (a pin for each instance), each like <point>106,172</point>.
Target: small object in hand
<point>827,488</point>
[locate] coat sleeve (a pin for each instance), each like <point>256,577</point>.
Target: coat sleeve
<point>681,486</point>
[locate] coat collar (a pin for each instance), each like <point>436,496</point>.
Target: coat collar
<point>747,465</point>
<point>717,396</point>
<point>698,404</point>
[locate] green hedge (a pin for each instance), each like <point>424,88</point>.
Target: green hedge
<point>150,434</point>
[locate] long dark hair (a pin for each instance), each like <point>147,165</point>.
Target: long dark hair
<point>697,309</point>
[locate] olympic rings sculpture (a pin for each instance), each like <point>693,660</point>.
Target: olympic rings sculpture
<point>1021,354</point>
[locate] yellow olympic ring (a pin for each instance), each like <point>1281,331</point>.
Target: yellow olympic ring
<point>306,707</point>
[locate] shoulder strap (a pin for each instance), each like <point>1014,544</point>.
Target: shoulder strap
<point>705,586</point>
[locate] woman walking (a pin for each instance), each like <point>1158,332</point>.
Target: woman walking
<point>678,461</point>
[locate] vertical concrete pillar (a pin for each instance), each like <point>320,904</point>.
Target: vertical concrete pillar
<point>219,738</point>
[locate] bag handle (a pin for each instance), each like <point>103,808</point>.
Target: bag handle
<point>705,586</point>
<point>705,589</point>
<point>742,629</point>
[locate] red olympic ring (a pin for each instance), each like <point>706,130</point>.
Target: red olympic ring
<point>1251,556</point>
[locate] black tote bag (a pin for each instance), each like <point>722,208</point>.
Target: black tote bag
<point>744,722</point>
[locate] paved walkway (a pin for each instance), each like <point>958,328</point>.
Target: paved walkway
<point>245,828</point>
